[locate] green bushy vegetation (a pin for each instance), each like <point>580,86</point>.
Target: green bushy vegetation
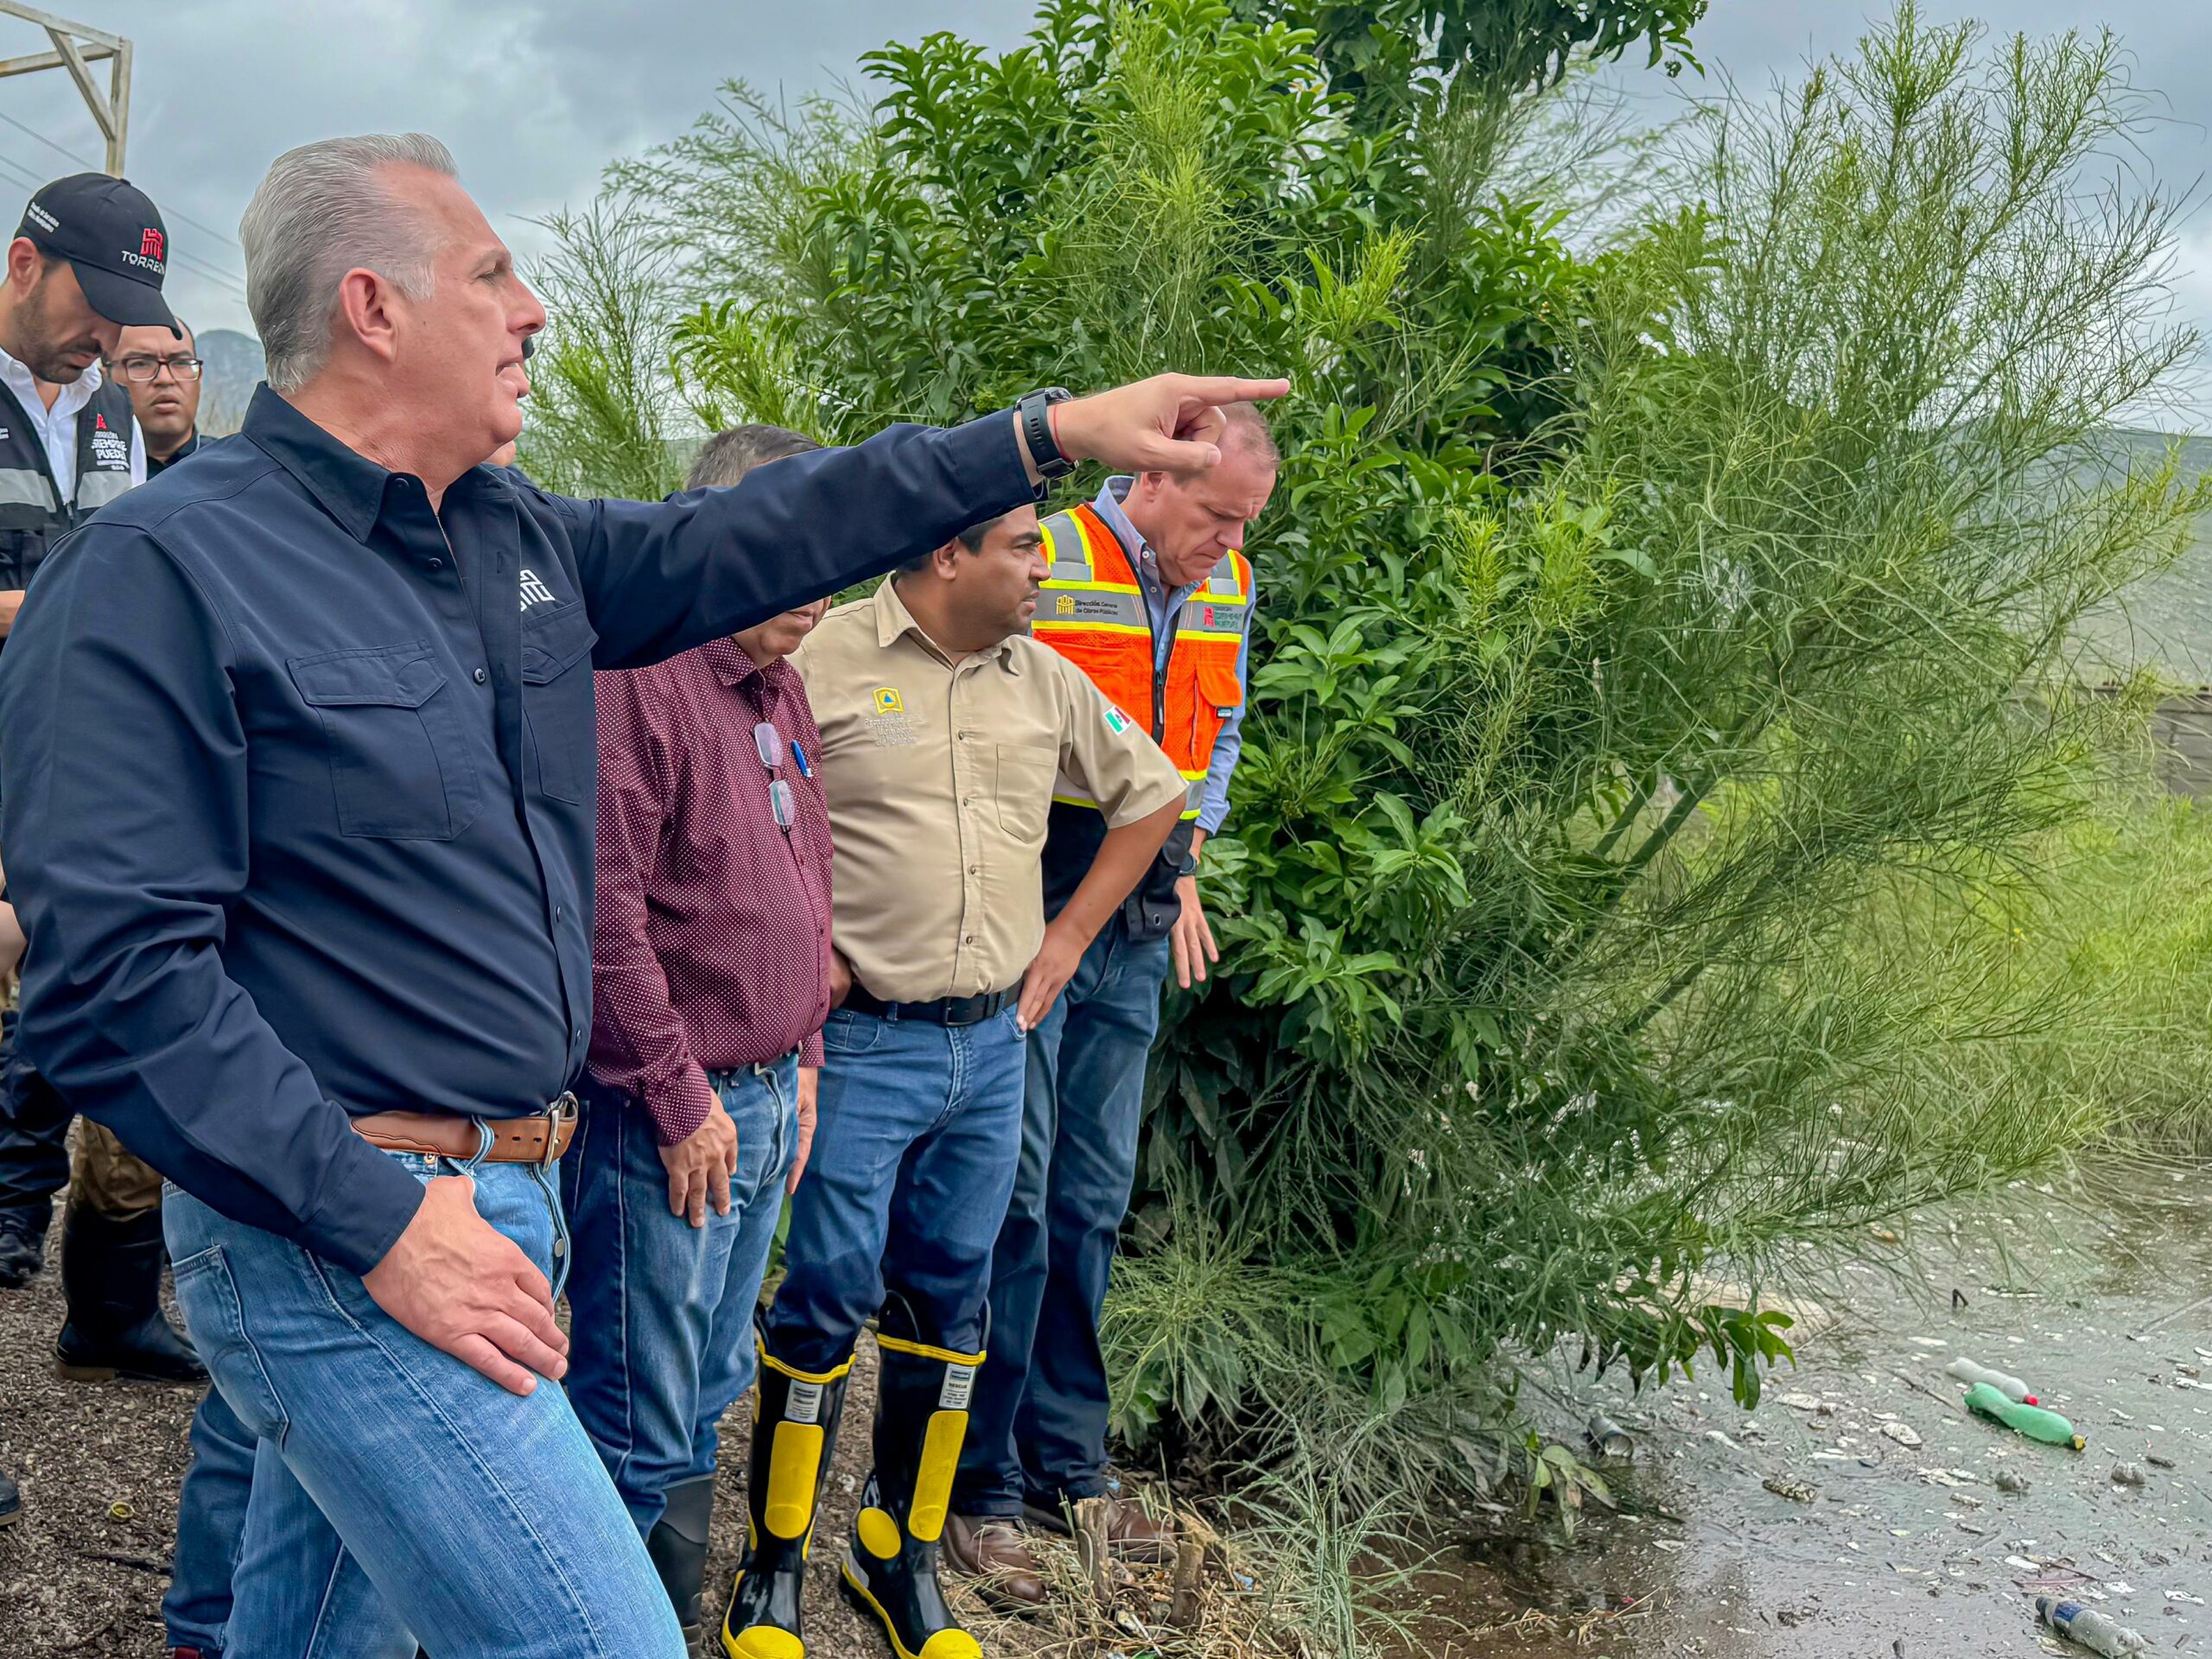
<point>1664,676</point>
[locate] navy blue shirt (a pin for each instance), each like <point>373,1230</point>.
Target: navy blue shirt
<point>298,781</point>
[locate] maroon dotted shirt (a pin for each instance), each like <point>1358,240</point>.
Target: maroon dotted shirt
<point>711,947</point>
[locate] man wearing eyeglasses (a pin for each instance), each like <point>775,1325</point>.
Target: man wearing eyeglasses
<point>710,975</point>
<point>160,371</point>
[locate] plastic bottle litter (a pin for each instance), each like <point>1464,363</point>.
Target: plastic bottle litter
<point>1614,1442</point>
<point>2032,1421</point>
<point>2089,1627</point>
<point>2011,1387</point>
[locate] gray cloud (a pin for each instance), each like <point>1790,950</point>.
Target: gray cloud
<point>535,95</point>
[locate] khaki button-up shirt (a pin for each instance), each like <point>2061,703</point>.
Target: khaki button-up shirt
<point>939,777</point>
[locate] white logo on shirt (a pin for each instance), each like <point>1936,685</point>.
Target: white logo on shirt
<point>534,592</point>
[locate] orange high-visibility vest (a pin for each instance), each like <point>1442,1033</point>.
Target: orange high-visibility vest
<point>1092,612</point>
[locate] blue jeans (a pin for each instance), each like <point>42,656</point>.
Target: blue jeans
<point>397,1494</point>
<point>1039,1427</point>
<point>210,1525</point>
<point>917,1129</point>
<point>662,1311</point>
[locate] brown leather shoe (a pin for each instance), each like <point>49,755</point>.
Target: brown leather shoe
<point>990,1549</point>
<point>1131,1534</point>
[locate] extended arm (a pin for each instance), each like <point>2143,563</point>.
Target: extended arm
<point>661,576</point>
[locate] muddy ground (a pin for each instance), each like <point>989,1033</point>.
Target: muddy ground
<point>1910,1550</point>
<point>1899,1549</point>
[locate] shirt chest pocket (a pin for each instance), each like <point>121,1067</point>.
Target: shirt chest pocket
<point>1024,788</point>
<point>557,701</point>
<point>399,759</point>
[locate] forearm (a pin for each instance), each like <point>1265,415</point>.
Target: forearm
<point>10,602</point>
<point>1123,858</point>
<point>661,576</point>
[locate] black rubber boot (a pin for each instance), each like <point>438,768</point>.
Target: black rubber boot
<point>677,1544</point>
<point>890,1575</point>
<point>23,1243</point>
<point>111,1276</point>
<point>795,1416</point>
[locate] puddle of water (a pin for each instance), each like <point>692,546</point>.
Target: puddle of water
<point>1901,1544</point>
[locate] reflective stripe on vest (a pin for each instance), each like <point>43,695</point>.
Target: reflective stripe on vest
<point>1092,612</point>
<point>31,519</point>
<point>21,485</point>
<point>96,490</point>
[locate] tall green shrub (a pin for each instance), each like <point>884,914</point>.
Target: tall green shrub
<point>1627,626</point>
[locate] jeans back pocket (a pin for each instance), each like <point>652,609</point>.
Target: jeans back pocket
<point>208,1297</point>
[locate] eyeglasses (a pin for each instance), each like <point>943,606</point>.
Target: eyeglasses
<point>768,744</point>
<point>143,369</point>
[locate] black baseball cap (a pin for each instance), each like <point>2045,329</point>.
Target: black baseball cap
<point>108,231</point>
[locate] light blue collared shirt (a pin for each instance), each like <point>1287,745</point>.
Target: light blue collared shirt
<point>1160,605</point>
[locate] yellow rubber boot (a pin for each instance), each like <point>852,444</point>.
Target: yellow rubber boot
<point>921,1418</point>
<point>794,1431</point>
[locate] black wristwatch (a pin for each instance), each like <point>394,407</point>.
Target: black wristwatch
<point>1037,431</point>
<point>1189,866</point>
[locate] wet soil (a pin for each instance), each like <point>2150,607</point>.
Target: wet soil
<point>1897,1549</point>
<point>1877,1546</point>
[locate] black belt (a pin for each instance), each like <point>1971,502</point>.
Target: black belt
<point>946,1011</point>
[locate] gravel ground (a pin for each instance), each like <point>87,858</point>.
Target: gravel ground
<point>84,1570</point>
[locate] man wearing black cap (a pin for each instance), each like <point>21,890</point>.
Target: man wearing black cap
<point>86,262</point>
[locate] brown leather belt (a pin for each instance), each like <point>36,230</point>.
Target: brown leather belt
<point>538,1139</point>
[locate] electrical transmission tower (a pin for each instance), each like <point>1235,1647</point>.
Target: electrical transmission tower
<point>77,46</point>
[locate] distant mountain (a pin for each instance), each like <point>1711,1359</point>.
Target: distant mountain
<point>234,366</point>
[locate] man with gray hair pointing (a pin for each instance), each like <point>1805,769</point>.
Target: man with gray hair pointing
<point>298,804</point>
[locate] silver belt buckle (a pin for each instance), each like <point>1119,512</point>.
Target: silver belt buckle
<point>561,1110</point>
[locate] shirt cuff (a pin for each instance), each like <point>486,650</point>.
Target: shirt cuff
<point>373,1199</point>
<point>988,467</point>
<point>679,1104</point>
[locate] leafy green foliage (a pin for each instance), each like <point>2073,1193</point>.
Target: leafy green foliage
<point>1393,59</point>
<point>1627,629</point>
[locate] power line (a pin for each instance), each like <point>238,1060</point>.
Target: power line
<point>71,155</point>
<point>66,155</point>
<point>202,268</point>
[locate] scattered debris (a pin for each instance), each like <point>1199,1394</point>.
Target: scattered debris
<point>1903,1433</point>
<point>2088,1627</point>
<point>2126,1474</point>
<point>2009,1482</point>
<point>1970,1372</point>
<point>1614,1442</point>
<point>2158,1462</point>
<point>1804,1402</point>
<point>1798,1491</point>
<point>2032,1421</point>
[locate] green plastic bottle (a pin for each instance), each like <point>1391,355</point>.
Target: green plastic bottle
<point>2033,1421</point>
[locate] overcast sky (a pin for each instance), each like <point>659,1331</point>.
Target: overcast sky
<point>535,96</point>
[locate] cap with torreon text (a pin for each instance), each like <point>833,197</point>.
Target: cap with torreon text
<point>107,230</point>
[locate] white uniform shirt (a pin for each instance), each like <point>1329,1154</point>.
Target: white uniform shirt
<point>57,427</point>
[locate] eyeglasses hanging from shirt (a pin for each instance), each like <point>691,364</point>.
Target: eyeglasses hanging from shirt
<point>769,743</point>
